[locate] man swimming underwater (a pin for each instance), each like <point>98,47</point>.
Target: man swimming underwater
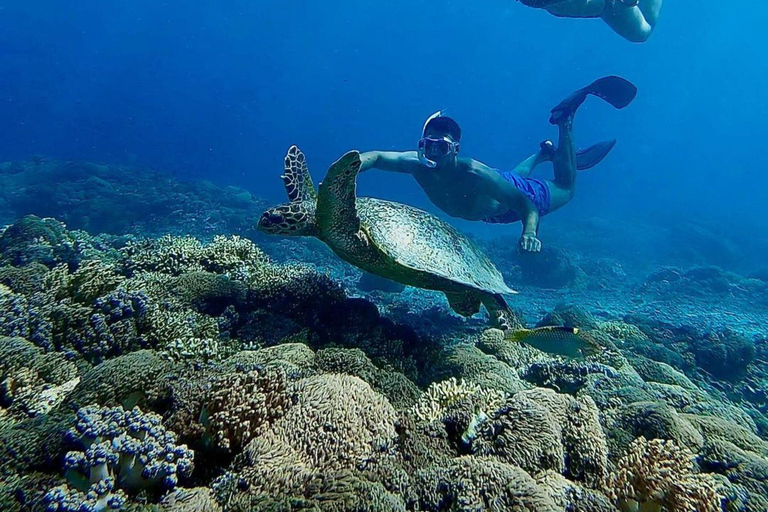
<point>466,188</point>
<point>633,20</point>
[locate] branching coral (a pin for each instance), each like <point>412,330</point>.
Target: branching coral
<point>439,397</point>
<point>658,475</point>
<point>234,256</point>
<point>240,407</point>
<point>122,450</point>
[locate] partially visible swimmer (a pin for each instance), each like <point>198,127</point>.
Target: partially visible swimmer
<point>466,188</point>
<point>633,20</point>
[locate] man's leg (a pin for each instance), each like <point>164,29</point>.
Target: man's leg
<point>526,167</point>
<point>564,163</point>
<point>577,8</point>
<point>633,23</point>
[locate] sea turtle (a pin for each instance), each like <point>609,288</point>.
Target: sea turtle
<point>391,240</point>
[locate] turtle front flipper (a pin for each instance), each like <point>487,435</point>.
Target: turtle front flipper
<point>336,203</point>
<point>297,180</point>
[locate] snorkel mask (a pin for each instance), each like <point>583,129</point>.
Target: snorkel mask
<point>434,146</point>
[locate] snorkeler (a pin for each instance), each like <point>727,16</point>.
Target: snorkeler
<point>633,20</point>
<point>466,188</point>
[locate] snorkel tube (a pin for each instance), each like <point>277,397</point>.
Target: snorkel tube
<point>422,157</point>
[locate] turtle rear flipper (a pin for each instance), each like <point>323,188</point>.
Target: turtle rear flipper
<point>465,304</point>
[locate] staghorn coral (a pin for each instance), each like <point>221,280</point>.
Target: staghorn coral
<point>14,313</point>
<point>166,255</point>
<point>294,290</point>
<point>24,280</point>
<point>233,256</point>
<point>120,450</point>
<point>659,475</point>
<point>207,292</point>
<point>91,280</point>
<point>473,484</point>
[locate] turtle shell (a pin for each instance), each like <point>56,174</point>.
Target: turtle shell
<point>418,240</point>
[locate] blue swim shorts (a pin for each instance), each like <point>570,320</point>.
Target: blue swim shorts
<point>536,190</point>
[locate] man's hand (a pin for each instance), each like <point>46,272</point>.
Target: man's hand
<point>529,242</point>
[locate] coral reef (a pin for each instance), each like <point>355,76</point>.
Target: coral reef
<point>119,451</point>
<point>297,389</point>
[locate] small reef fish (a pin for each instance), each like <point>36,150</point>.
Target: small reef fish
<point>557,340</point>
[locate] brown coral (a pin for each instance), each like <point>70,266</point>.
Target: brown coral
<point>657,473</point>
<point>241,406</point>
<point>539,429</point>
<point>199,499</point>
<point>338,422</point>
<point>470,484</point>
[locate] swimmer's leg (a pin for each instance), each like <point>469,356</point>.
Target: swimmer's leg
<point>577,8</point>
<point>564,164</point>
<point>634,23</point>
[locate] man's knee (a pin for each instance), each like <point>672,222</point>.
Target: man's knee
<point>636,32</point>
<point>641,35</point>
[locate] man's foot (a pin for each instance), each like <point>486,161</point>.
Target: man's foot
<point>612,89</point>
<point>547,150</point>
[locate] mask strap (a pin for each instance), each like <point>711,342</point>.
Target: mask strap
<point>430,118</point>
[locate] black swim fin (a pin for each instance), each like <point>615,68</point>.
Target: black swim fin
<point>594,154</point>
<point>615,90</point>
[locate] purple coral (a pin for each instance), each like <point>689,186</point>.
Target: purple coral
<point>129,450</point>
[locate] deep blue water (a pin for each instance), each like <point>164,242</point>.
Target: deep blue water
<point>219,90</point>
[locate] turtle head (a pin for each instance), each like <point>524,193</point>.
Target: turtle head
<point>290,219</point>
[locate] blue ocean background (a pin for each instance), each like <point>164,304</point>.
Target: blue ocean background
<point>219,91</point>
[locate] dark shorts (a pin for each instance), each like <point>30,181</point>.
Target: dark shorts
<point>536,190</point>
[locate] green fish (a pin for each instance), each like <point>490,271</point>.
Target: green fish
<point>557,340</point>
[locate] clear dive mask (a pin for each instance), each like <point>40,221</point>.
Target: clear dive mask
<point>434,147</point>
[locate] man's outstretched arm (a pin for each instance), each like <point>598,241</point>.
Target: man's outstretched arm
<point>393,161</point>
<point>509,196</point>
